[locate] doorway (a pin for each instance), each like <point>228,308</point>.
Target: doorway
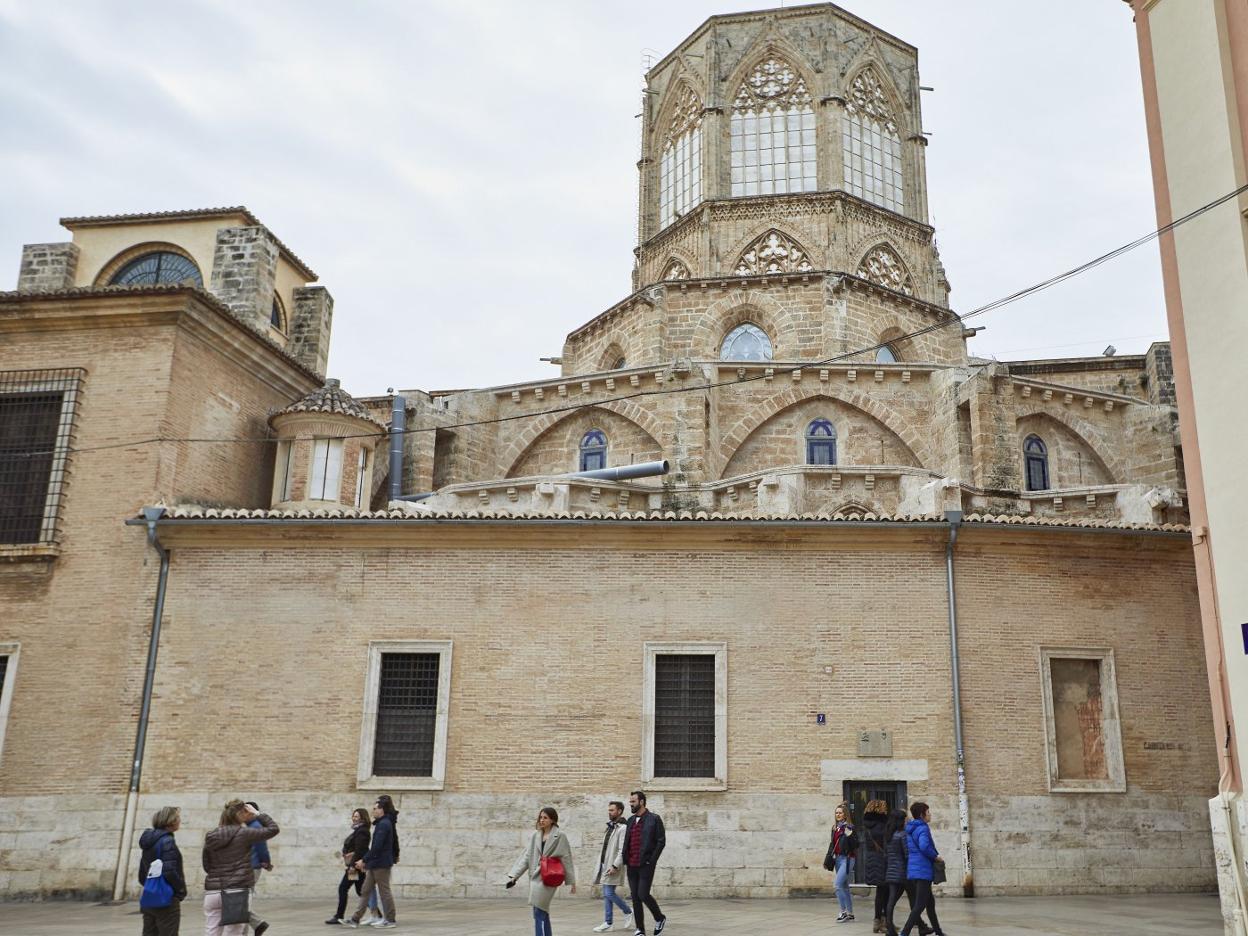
<point>860,792</point>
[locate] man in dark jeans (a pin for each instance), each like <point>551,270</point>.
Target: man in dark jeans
<point>644,839</point>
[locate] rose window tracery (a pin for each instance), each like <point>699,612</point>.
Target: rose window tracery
<point>882,267</point>
<point>774,252</point>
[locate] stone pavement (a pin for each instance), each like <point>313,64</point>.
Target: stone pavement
<point>1151,915</point>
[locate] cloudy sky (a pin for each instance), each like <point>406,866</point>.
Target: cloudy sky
<point>461,175</point>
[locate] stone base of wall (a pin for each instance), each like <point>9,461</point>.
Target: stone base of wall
<point>718,844</point>
<point>1230,838</point>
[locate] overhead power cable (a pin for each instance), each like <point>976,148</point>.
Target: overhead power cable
<point>953,319</point>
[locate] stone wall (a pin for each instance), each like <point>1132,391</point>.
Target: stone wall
<point>48,266</point>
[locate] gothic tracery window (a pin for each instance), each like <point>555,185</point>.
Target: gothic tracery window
<point>680,167</point>
<point>773,252</point>
<point>871,144</point>
<point>773,132</point>
<point>159,266</point>
<point>746,342</point>
<point>676,270</point>
<point>884,268</point>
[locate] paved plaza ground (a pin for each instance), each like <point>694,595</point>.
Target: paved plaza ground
<point>1153,915</point>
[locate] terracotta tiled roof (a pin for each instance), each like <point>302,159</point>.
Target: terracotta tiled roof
<point>155,289</point>
<point>187,215</point>
<point>331,398</point>
<point>196,512</point>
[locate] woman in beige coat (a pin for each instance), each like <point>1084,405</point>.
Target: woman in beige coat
<point>548,841</point>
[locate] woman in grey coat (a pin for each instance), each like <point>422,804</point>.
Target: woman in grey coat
<point>547,841</point>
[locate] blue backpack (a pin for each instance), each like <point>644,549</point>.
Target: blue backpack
<point>157,892</point>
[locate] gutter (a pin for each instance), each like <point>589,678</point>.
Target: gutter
<point>954,518</point>
<point>151,519</point>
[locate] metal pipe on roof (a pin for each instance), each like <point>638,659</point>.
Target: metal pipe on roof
<point>954,518</point>
<point>398,415</point>
<point>151,517</point>
<point>625,472</point>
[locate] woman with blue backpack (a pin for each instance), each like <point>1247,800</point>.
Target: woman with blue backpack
<point>160,874</point>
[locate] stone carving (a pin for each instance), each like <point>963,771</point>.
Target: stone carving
<point>867,99</point>
<point>686,116</point>
<point>774,252</point>
<point>882,267</point>
<point>676,270</point>
<point>774,86</point>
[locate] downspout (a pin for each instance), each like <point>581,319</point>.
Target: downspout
<point>964,808</point>
<point>150,516</point>
<point>398,416</point>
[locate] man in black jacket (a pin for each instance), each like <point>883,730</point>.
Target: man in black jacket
<point>643,843</point>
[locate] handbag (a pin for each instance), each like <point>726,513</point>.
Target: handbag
<point>235,907</point>
<point>829,860</point>
<point>938,871</point>
<point>552,871</point>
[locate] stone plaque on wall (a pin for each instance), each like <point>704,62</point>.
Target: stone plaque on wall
<point>875,743</point>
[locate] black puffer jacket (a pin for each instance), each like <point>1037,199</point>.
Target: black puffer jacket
<point>160,843</point>
<point>872,853</point>
<point>896,852</point>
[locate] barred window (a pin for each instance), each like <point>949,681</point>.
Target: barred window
<point>407,704</point>
<point>37,419</point>
<point>684,715</point>
<point>159,266</point>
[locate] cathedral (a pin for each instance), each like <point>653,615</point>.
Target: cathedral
<point>771,540</point>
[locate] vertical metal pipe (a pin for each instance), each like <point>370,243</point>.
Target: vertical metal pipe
<point>150,515</point>
<point>398,416</point>
<point>964,808</point>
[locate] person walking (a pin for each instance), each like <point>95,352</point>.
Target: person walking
<point>610,873</point>
<point>260,861</point>
<point>844,846</point>
<point>227,863</point>
<point>920,867</point>
<point>382,854</point>
<point>875,857</point>
<point>158,843</point>
<point>354,848</point>
<point>644,841</point>
<point>547,841</point>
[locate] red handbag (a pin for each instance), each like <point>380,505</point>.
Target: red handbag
<point>552,871</point>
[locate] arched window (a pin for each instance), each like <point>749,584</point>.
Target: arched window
<point>1036,460</point>
<point>884,354</point>
<point>871,145</point>
<point>821,443</point>
<point>277,315</point>
<point>773,132</point>
<point>680,167</point>
<point>159,266</point>
<point>618,363</point>
<point>746,342</point>
<point>593,450</point>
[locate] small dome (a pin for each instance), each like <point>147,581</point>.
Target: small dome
<point>330,398</point>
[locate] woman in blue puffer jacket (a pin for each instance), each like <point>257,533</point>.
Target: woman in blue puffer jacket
<point>922,853</point>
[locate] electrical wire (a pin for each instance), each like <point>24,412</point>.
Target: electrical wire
<point>953,319</point>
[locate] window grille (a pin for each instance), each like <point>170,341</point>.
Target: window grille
<point>821,443</point>
<point>160,266</point>
<point>684,715</point>
<point>407,706</point>
<point>38,410</point>
<point>593,450</point>
<point>1036,459</point>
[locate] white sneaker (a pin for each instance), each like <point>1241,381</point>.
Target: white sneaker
<point>604,927</point>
